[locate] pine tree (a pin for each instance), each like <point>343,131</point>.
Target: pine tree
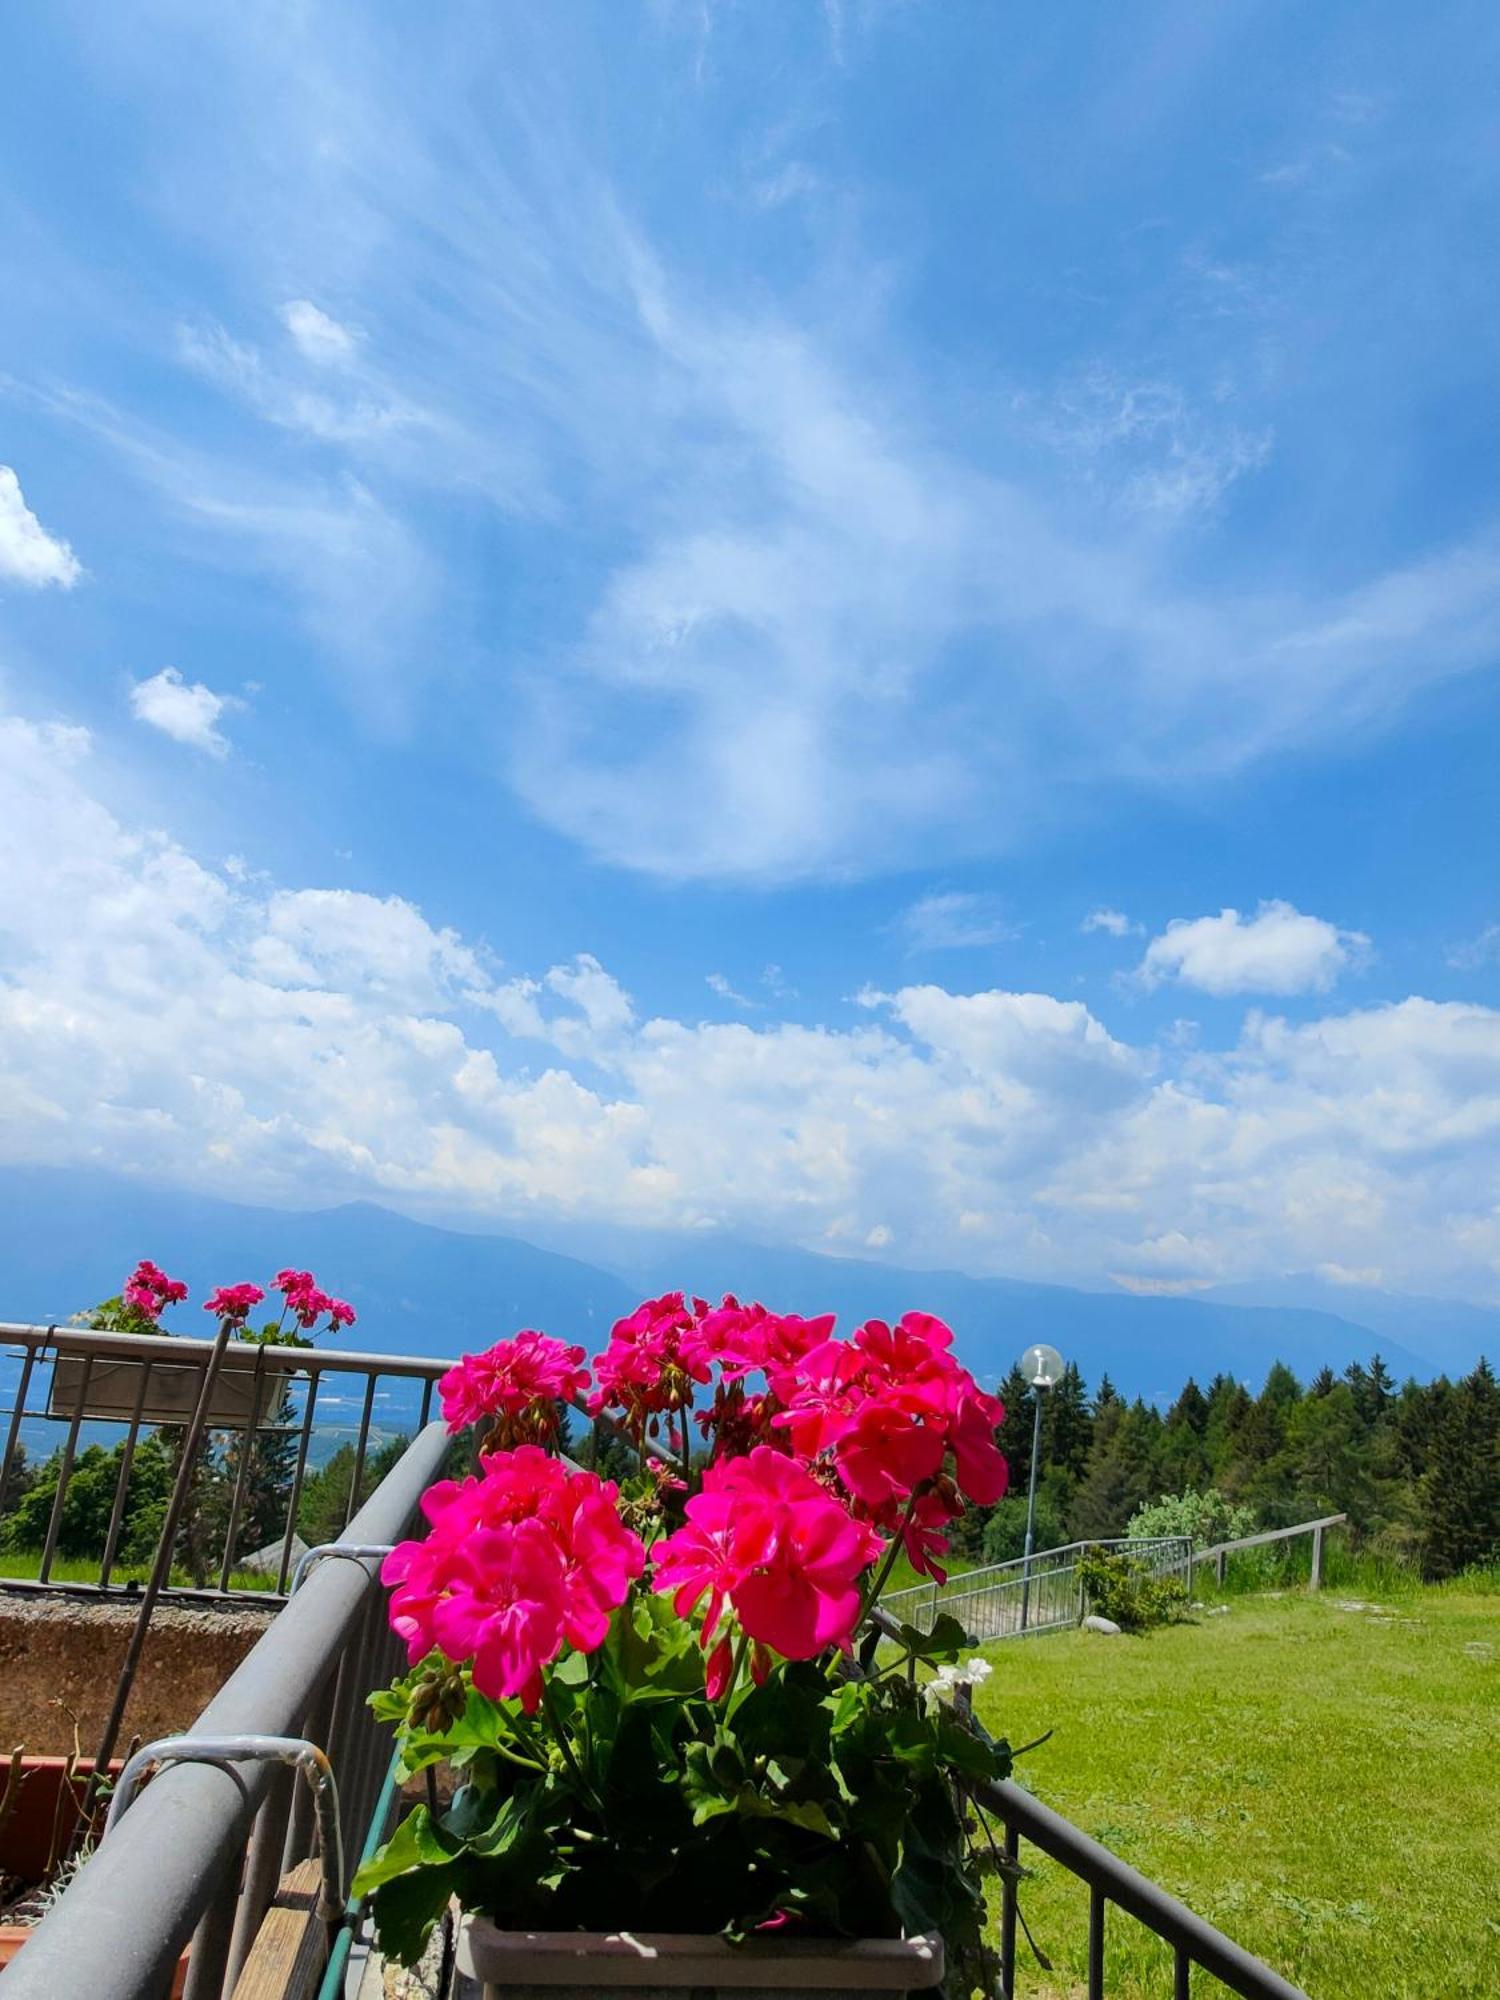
<point>1460,1491</point>
<point>1184,1452</point>
<point>1067,1428</point>
<point>1122,1470</point>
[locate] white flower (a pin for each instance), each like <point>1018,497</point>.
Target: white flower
<point>947,1680</point>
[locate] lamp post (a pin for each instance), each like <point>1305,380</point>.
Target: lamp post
<point>1042,1369</point>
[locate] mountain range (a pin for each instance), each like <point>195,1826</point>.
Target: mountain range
<point>67,1239</point>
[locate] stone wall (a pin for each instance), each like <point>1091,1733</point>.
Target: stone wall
<point>59,1654</point>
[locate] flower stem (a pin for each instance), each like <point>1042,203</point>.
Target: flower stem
<point>883,1574</point>
<point>687,1445</point>
<point>560,1734</point>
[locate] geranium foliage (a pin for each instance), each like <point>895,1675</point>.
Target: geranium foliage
<point>662,1704</point>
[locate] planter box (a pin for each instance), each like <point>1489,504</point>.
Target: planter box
<point>45,1813</point>
<point>659,1965</point>
<point>240,1397</point>
<point>13,1936</point>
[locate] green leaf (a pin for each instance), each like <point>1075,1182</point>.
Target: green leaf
<point>945,1642</point>
<point>416,1843</point>
<point>405,1910</point>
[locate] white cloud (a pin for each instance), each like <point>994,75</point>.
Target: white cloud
<point>720,983</point>
<point>317,334</point>
<point>1278,950</point>
<point>187,711</point>
<point>1115,922</point>
<point>953,920</point>
<point>28,554</point>
<point>360,411</point>
<point>1144,446</point>
<point>1484,949</point>
<point>210,1029</point>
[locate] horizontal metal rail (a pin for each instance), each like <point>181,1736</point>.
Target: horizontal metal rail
<point>1194,1942</point>
<point>184,1349</point>
<point>187,1863</point>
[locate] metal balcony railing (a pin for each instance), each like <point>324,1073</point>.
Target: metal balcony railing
<point>199,1857</point>
<point>71,1388</point>
<point>1193,1942</point>
<point>200,1854</point>
<point>1041,1593</point>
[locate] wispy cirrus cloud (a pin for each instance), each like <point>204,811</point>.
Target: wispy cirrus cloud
<point>1114,923</point>
<point>844,635</point>
<point>318,334</point>
<point>1479,950</point>
<point>953,920</point>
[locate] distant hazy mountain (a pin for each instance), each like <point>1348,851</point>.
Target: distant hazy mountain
<point>1448,1334</point>
<point>67,1239</point>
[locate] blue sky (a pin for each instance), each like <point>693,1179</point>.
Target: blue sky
<point>691,614</point>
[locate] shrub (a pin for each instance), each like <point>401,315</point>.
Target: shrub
<point>1205,1517</point>
<point>1005,1530</point>
<point>1117,1586</point>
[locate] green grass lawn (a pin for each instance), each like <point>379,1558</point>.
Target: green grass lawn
<point>1322,1784</point>
<point>24,1564</point>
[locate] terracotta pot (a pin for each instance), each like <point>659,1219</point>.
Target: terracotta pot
<point>659,1965</point>
<point>43,1822</point>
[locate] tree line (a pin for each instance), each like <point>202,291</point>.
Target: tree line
<point>1415,1466</point>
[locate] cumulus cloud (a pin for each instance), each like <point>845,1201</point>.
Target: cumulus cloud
<point>1278,950</point>
<point>28,554</point>
<point>317,334</point>
<point>1115,922</point>
<point>187,711</point>
<point>213,1029</point>
<point>953,920</point>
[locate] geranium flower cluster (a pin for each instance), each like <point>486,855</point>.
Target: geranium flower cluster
<point>234,1303</point>
<point>520,1559</point>
<point>889,1409</point>
<point>518,1383</point>
<point>307,1303</point>
<point>670,1346</point>
<point>655,1358</point>
<point>149,1290</point>
<point>823,1458</point>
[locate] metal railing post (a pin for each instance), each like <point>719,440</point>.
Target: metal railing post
<point>1036,1453</point>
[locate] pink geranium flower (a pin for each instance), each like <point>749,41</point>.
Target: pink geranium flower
<point>307,1302</point>
<point>233,1302</point>
<point>889,1409</point>
<point>519,1383</point>
<point>765,1535</point>
<point>518,1560</point>
<point>148,1289</point>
